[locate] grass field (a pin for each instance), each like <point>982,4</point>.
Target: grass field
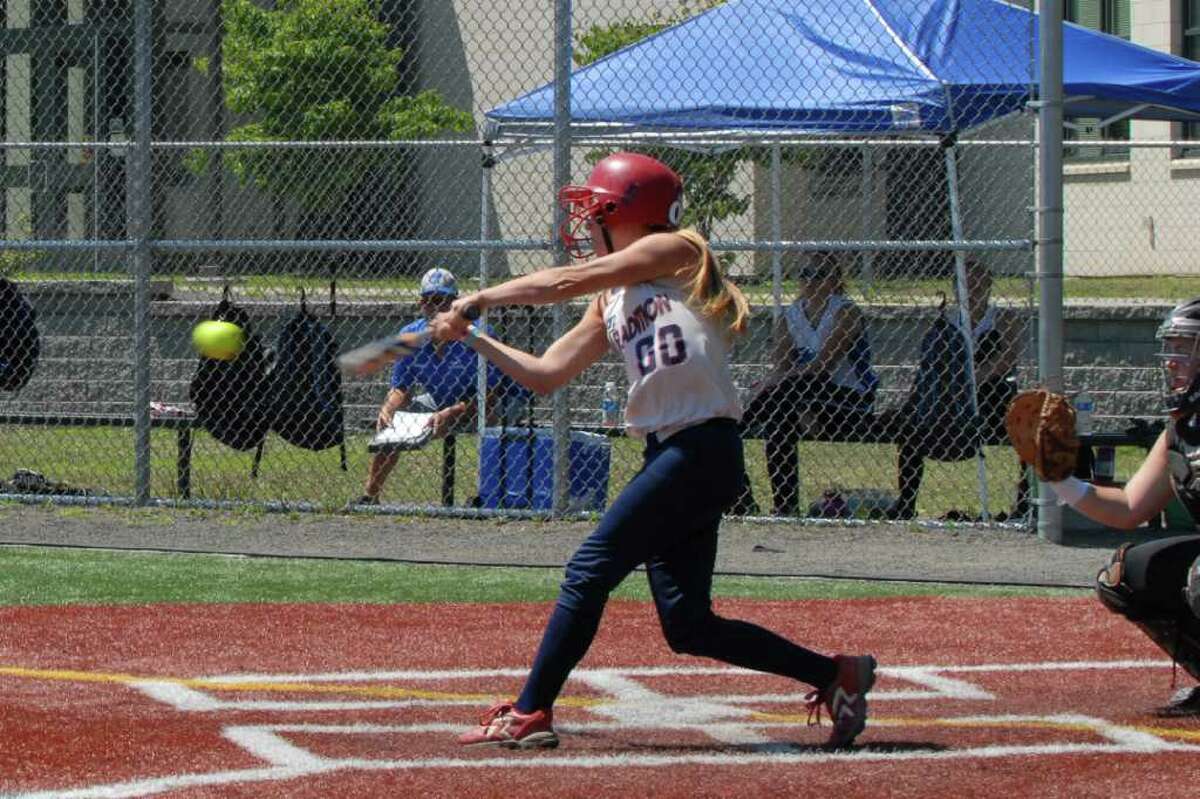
<point>51,576</point>
<point>102,459</point>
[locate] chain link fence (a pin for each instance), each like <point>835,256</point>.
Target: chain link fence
<point>299,166</point>
<point>1128,259</point>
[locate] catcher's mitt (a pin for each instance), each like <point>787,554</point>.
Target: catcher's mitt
<point>1041,427</point>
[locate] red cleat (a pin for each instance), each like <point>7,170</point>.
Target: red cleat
<point>845,698</point>
<point>504,725</point>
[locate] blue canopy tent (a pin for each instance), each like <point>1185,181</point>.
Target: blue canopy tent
<point>763,70</point>
<point>874,67</point>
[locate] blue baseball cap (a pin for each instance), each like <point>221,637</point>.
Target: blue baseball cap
<point>439,281</point>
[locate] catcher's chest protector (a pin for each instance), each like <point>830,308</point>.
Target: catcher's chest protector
<point>1184,461</point>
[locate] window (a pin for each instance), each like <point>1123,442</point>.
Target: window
<point>1191,49</point>
<point>1110,16</point>
<point>173,113</point>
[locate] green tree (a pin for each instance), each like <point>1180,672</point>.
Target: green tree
<point>706,177</point>
<point>319,70</point>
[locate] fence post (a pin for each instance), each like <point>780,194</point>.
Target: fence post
<point>139,225</point>
<point>562,174</point>
<point>488,162</point>
<point>1050,233</point>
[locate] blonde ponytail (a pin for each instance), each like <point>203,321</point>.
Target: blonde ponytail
<point>713,294</point>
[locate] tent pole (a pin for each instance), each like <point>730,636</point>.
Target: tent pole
<point>776,231</point>
<point>1050,233</point>
<point>866,195</point>
<point>776,236</point>
<point>950,151</point>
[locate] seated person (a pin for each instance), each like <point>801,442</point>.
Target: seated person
<point>821,379</point>
<point>944,429</point>
<point>447,371</point>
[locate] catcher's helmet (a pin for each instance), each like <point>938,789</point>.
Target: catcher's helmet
<point>623,189</point>
<point>1180,353</point>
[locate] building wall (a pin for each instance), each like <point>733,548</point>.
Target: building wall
<point>1136,216</point>
<point>1127,217</point>
<point>479,55</point>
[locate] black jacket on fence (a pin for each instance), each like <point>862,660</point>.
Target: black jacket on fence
<point>232,398</point>
<point>20,343</point>
<point>307,393</point>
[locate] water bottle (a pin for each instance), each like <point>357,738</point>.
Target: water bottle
<point>1084,405</point>
<point>1104,470</point>
<point>610,406</point>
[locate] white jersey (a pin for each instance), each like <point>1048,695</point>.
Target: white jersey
<point>676,359</point>
<point>853,370</point>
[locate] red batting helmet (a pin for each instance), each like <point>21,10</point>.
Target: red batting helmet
<point>623,189</point>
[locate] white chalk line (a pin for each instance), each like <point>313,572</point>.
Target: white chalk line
<point>630,706</point>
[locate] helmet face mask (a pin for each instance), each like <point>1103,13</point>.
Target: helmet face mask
<point>584,206</point>
<point>1180,357</point>
<point>1179,353</point>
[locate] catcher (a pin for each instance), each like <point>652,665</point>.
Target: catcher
<point>1156,585</point>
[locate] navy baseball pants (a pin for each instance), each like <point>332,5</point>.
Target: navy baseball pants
<point>666,518</point>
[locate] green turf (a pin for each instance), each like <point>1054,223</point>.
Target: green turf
<point>53,576</point>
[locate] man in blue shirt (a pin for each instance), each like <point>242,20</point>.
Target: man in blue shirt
<point>446,373</point>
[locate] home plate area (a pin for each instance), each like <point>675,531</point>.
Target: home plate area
<point>661,715</point>
<point>682,727</point>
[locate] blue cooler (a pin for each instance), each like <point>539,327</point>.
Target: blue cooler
<point>509,479</point>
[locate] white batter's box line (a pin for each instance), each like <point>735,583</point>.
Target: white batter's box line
<point>268,741</point>
<point>289,762</point>
<point>1116,733</point>
<point>187,699</point>
<point>190,700</point>
<point>932,680</point>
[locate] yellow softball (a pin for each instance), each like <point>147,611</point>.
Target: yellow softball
<point>222,341</point>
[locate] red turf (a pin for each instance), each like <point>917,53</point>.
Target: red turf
<point>70,718</point>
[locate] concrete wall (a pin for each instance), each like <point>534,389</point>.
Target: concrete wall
<point>87,355</point>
